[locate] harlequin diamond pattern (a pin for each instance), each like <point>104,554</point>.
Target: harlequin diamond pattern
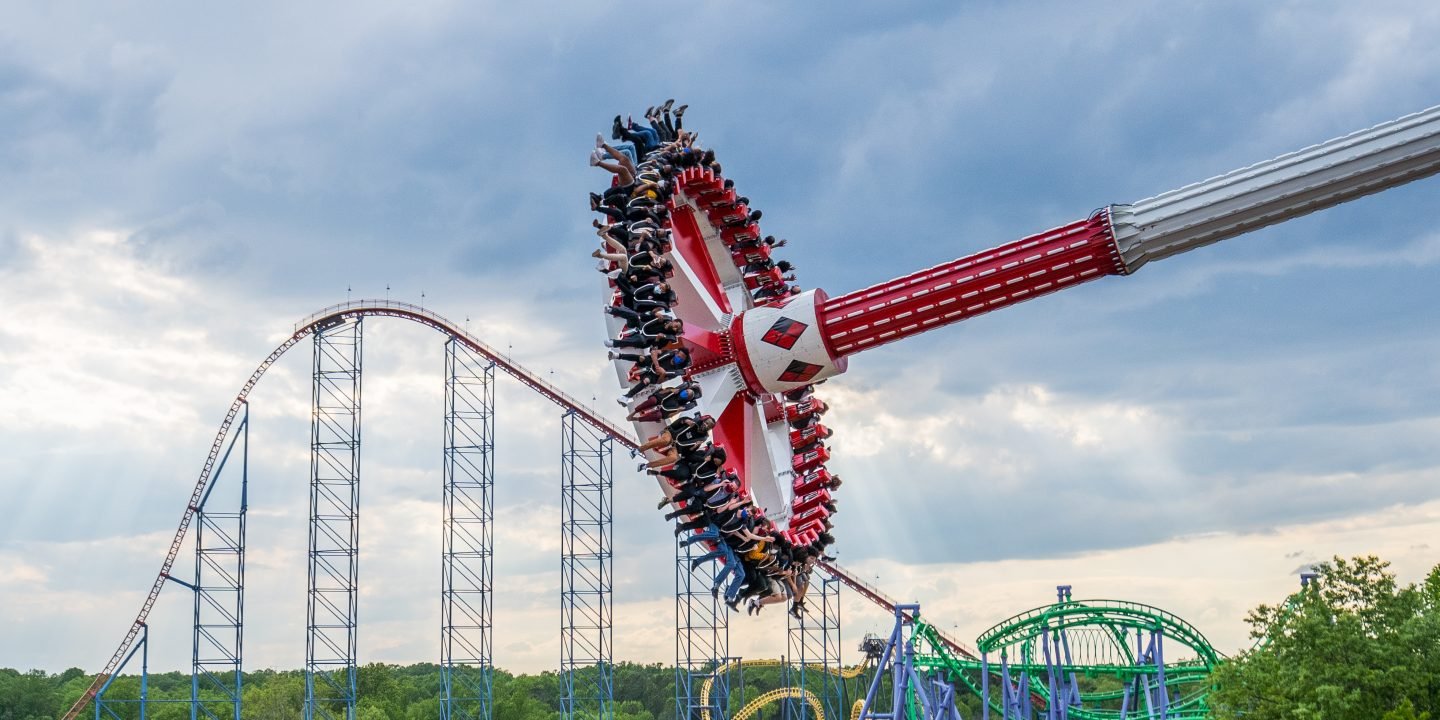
<point>799,371</point>
<point>784,332</point>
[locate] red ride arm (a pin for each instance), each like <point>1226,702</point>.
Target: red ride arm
<point>961,289</point>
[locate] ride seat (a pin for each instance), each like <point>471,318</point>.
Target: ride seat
<point>814,514</point>
<point>805,408</point>
<point>812,481</point>
<point>814,458</point>
<point>801,438</point>
<point>811,500</point>
<point>746,255</point>
<point>733,235</point>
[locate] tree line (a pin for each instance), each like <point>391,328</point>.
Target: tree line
<point>1354,645</point>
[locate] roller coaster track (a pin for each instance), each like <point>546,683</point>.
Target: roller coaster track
<point>336,314</point>
<point>885,602</point>
<point>754,706</point>
<point>783,693</point>
<point>321,320</point>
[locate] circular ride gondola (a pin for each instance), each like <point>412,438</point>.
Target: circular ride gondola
<point>676,220</point>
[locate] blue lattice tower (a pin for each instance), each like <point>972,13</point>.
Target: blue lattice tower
<point>217,646</point>
<point>107,708</point>
<point>330,642</point>
<point>813,647</point>
<point>702,638</point>
<point>587,471</point>
<point>467,562</point>
<point>833,685</point>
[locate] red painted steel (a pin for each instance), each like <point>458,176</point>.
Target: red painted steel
<point>686,240</point>
<point>961,289</point>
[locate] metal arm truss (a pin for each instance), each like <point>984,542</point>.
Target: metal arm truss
<point>1122,238</point>
<point>972,285</point>
<point>702,637</point>
<point>1289,186</point>
<point>587,471</point>
<point>333,587</point>
<point>467,563</point>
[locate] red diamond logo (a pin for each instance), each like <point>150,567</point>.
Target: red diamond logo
<point>784,332</point>
<point>799,372</point>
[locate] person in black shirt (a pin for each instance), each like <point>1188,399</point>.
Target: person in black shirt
<point>656,332</point>
<point>682,435</point>
<point>645,296</point>
<point>634,320</point>
<point>655,368</point>
<point>666,402</point>
<point>686,468</point>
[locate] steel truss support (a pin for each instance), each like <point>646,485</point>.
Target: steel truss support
<point>702,638</point>
<point>1150,689</point>
<point>587,471</point>
<point>110,709</point>
<point>1146,693</point>
<point>330,642</point>
<point>813,650</point>
<point>467,562</point>
<point>217,647</point>
<point>912,695</point>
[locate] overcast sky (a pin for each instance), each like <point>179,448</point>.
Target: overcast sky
<point>180,183</point>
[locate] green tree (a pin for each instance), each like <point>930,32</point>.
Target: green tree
<point>26,696</point>
<point>273,696</point>
<point>1353,645</point>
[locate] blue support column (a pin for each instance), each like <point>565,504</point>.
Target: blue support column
<point>217,644</point>
<point>106,708</point>
<point>702,638</point>
<point>467,563</point>
<point>912,697</point>
<point>587,471</point>
<point>333,589</point>
<point>813,650</point>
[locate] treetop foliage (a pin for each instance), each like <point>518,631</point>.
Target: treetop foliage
<point>1353,644</point>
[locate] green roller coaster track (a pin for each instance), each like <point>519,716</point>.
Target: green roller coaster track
<point>1100,645</point>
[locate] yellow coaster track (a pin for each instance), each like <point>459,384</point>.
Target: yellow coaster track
<point>754,706</point>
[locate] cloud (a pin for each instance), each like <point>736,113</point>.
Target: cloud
<point>1209,579</point>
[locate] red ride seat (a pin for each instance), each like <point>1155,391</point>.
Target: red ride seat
<point>705,188</point>
<point>812,522</point>
<point>811,500</point>
<point>805,408</point>
<point>736,235</point>
<point>804,536</point>
<point>727,213</point>
<point>811,482</point>
<point>695,183</point>
<point>801,438</point>
<point>695,175</point>
<point>773,276</point>
<point>813,458</point>
<point>746,255</point>
<point>715,198</point>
